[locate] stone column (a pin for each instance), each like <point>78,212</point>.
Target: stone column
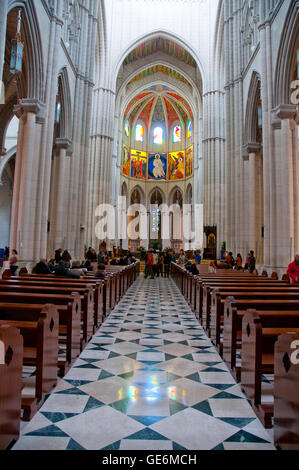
<point>252,223</point>
<point>24,226</point>
<point>286,157</point>
<point>59,191</point>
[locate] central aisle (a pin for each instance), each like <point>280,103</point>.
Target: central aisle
<point>149,379</point>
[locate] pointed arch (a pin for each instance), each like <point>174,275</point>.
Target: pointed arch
<point>33,47</point>
<point>66,106</point>
<point>285,59</point>
<point>251,114</point>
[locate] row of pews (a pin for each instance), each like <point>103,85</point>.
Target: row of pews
<point>45,322</point>
<point>253,321</point>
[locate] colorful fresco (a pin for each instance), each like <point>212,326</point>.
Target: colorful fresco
<point>159,68</point>
<point>126,161</point>
<point>157,166</point>
<point>176,165</point>
<point>189,161</point>
<point>138,164</point>
<point>160,44</point>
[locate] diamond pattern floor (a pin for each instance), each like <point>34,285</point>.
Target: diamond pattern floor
<point>149,379</point>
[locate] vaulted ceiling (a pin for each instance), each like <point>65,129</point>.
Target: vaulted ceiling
<point>158,103</point>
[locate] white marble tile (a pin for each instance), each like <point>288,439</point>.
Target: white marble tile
<point>133,444</point>
<point>194,430</point>
<point>41,443</point>
<point>99,427</point>
<point>231,407</point>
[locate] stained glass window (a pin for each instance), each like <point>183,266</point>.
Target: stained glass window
<point>189,130</point>
<point>177,134</point>
<point>139,137</point>
<point>127,132</point>
<point>158,135</point>
<point>156,220</point>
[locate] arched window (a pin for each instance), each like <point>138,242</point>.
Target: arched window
<point>127,131</point>
<point>158,135</point>
<point>177,134</point>
<point>189,130</point>
<point>139,135</point>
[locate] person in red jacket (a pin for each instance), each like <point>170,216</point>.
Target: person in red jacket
<point>293,270</point>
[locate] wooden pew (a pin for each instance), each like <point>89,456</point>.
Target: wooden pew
<point>259,334</point>
<point>286,396</point>
<point>258,291</point>
<point>40,336</point>
<point>69,308</point>
<point>11,361</point>
<point>204,295</point>
<point>97,284</point>
<point>234,310</point>
<point>86,295</point>
<point>69,326</point>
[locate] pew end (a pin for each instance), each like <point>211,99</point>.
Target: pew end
<point>11,360</point>
<point>286,396</point>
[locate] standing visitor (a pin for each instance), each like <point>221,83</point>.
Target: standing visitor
<point>293,269</point>
<point>14,262</point>
<point>251,262</point>
<point>239,262</point>
<point>166,262</point>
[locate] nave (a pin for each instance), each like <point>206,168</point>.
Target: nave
<point>149,379</point>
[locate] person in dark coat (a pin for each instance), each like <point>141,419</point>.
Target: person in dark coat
<point>58,255</point>
<point>61,270</point>
<point>41,267</point>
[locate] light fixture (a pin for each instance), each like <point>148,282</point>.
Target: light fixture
<point>17,48</point>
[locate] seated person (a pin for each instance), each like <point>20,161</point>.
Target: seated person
<point>76,269</point>
<point>41,267</point>
<point>193,269</point>
<point>61,270</point>
<point>101,270</point>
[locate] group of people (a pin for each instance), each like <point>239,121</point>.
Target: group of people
<point>237,263</point>
<point>157,263</point>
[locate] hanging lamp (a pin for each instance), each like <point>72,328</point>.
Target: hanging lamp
<point>17,48</point>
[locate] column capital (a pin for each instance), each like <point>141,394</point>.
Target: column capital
<point>286,111</point>
<point>249,148</point>
<point>64,143</point>
<point>30,105</point>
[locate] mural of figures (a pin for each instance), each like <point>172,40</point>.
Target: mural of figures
<point>157,166</point>
<point>189,161</point>
<point>176,164</point>
<point>126,161</point>
<point>138,164</point>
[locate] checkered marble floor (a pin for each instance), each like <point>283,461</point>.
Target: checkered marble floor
<point>149,379</point>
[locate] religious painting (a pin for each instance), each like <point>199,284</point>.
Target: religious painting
<point>189,162</point>
<point>126,161</point>
<point>176,162</point>
<point>157,166</point>
<point>138,164</point>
